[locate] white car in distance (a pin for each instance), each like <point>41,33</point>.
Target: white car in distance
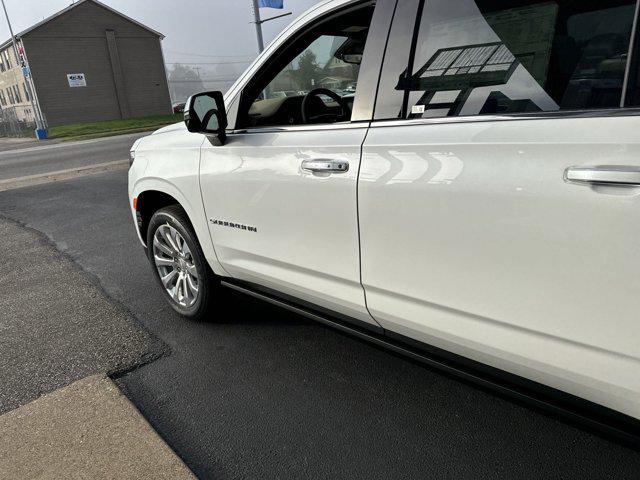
<point>474,204</point>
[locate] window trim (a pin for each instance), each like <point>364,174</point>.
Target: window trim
<point>303,128</point>
<point>632,59</point>
<point>404,108</point>
<point>364,104</point>
<point>560,114</point>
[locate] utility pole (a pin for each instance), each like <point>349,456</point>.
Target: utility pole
<point>258,22</point>
<point>35,108</point>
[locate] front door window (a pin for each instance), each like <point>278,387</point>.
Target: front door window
<point>315,79</point>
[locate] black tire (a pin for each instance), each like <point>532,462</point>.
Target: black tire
<point>208,283</point>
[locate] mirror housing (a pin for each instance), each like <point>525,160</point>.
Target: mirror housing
<point>205,113</point>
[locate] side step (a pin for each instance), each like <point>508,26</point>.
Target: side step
<point>579,412</point>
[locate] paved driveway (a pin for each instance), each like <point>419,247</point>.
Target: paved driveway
<point>266,394</point>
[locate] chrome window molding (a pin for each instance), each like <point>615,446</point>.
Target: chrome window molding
<point>303,128</point>
<point>614,112</point>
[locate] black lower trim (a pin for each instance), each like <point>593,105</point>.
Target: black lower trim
<point>577,411</point>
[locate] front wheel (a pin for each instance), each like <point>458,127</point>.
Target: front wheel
<point>179,264</point>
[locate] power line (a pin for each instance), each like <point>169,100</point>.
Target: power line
<point>244,62</point>
<point>208,55</point>
<point>230,79</point>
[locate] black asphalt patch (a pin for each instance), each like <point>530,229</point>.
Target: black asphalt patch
<point>56,325</point>
<point>267,394</point>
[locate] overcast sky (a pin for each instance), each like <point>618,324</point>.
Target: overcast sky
<point>197,31</point>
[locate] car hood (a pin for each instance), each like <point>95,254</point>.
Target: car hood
<point>171,128</point>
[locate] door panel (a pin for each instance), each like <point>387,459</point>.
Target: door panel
<point>305,241</point>
<point>473,241</point>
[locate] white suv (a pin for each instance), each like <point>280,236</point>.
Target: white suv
<point>475,204</point>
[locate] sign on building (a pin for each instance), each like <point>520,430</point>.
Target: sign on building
<point>76,80</point>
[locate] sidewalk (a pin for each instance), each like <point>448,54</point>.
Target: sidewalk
<point>86,430</point>
<point>61,336</point>
<point>9,143</point>
<point>57,325</point>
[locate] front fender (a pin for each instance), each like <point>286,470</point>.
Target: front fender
<point>192,206</point>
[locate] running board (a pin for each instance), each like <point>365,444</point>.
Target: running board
<point>569,408</point>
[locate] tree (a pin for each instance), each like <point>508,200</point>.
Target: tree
<point>308,71</point>
<point>184,81</point>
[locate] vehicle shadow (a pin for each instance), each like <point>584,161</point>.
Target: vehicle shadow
<point>239,309</point>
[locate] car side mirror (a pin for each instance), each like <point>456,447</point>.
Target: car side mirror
<point>205,113</point>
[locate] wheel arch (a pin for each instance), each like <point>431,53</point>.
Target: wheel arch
<point>149,202</point>
<point>151,194</point>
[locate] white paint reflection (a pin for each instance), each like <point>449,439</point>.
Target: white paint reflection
<point>408,166</point>
<point>450,167</point>
<point>374,166</point>
<point>413,166</point>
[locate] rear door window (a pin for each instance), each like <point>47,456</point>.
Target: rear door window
<point>479,57</point>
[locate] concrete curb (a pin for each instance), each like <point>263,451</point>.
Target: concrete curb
<point>88,429</point>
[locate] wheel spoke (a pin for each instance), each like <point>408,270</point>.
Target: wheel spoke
<point>166,232</point>
<point>161,246</point>
<point>175,292</point>
<point>179,241</point>
<point>163,262</point>
<point>168,278</point>
<point>191,269</point>
<point>186,291</point>
<point>193,286</point>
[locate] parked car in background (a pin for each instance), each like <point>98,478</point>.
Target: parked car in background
<point>350,89</point>
<point>178,107</point>
<point>473,205</point>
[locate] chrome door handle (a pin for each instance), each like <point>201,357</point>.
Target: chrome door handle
<point>327,166</point>
<point>603,175</point>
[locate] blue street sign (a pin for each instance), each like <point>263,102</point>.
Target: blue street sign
<point>271,3</point>
<point>25,72</point>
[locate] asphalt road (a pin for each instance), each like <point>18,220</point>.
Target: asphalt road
<point>262,393</point>
<point>51,157</point>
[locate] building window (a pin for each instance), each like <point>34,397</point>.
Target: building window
<point>16,92</point>
<point>3,99</point>
<point>26,92</point>
<point>10,93</point>
<point>7,59</point>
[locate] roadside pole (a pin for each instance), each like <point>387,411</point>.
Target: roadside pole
<point>40,131</point>
<point>258,22</point>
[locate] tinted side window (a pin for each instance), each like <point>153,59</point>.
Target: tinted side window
<point>504,56</point>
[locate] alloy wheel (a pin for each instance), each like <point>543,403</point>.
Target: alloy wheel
<point>175,265</point>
